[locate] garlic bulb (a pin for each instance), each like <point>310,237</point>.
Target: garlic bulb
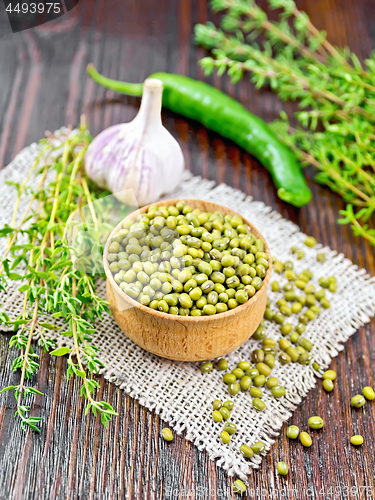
<point>140,155</point>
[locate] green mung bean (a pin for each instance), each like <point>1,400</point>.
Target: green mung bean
<point>263,369</point>
<point>252,373</point>
<point>293,353</point>
<point>243,365</point>
<point>316,422</point>
<point>238,373</point>
<point>167,434</point>
<point>278,391</point>
<point>358,401</point>
<point>284,344</point>
<point>305,439</point>
<point>272,382</point>
<point>230,428</point>
<point>300,328</point>
<point>257,356</point>
<point>229,378</point>
<point>217,416</point>
<point>224,412</point>
<point>269,360</point>
<point>206,367</point>
<point>259,381</point>
<point>329,375</point>
<point>234,388</point>
<point>228,405</point>
<point>368,393</point>
<point>282,468</point>
<point>292,432</point>
<point>239,487</point>
<point>225,437</point>
<point>305,343</point>
<point>328,385</point>
<point>255,392</point>
<point>246,451</point>
<point>269,314</point>
<point>216,404</point>
<point>284,358</point>
<point>320,257</point>
<point>222,364</point>
<point>245,383</point>
<point>356,440</point>
<point>294,337</point>
<point>286,328</point>
<point>258,447</point>
<point>305,358</point>
<point>258,404</point>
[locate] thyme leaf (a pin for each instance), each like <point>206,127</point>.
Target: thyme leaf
<point>334,90</point>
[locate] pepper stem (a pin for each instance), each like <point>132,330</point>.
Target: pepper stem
<point>135,89</point>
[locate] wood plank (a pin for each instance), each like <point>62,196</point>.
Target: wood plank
<point>43,86</point>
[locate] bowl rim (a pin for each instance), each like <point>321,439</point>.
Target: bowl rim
<point>186,319</point>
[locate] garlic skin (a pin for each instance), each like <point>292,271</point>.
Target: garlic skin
<point>140,155</point>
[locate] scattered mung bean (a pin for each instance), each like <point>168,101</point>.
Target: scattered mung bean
<point>329,375</point>
<point>316,422</point>
<point>222,364</point>
<point>239,487</point>
<point>225,413</point>
<point>328,385</point>
<point>292,432</point>
<point>356,440</point>
<point>259,404</point>
<point>272,382</point>
<point>206,367</point>
<point>310,241</point>
<point>246,451</point>
<point>228,405</point>
<point>305,439</point>
<point>217,416</point>
<point>167,434</point>
<point>278,391</point>
<point>230,428</point>
<point>216,404</point>
<point>255,392</point>
<point>282,468</point>
<point>258,447</point>
<point>358,401</point>
<point>368,393</point>
<point>225,437</point>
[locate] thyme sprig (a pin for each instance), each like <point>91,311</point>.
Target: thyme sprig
<point>38,255</point>
<point>335,92</point>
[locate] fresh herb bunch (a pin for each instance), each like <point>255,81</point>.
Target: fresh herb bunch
<point>335,92</point>
<point>39,255</point>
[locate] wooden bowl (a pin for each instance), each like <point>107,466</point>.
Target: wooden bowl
<point>186,338</point>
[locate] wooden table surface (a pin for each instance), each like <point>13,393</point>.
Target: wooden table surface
<point>44,86</point>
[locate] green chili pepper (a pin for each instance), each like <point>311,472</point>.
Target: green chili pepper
<point>219,112</point>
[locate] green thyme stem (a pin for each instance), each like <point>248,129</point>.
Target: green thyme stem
<point>315,32</point>
<point>27,350</point>
<point>364,234</point>
<point>310,159</point>
<point>89,202</point>
<point>23,187</point>
<point>77,349</point>
<point>76,167</point>
<point>15,234</point>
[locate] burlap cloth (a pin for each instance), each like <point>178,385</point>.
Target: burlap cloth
<point>179,392</point>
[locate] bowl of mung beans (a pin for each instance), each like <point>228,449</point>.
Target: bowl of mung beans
<point>187,279</point>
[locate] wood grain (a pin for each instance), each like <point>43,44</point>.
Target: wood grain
<point>43,86</point>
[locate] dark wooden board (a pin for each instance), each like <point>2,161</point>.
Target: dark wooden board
<point>43,86</point>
